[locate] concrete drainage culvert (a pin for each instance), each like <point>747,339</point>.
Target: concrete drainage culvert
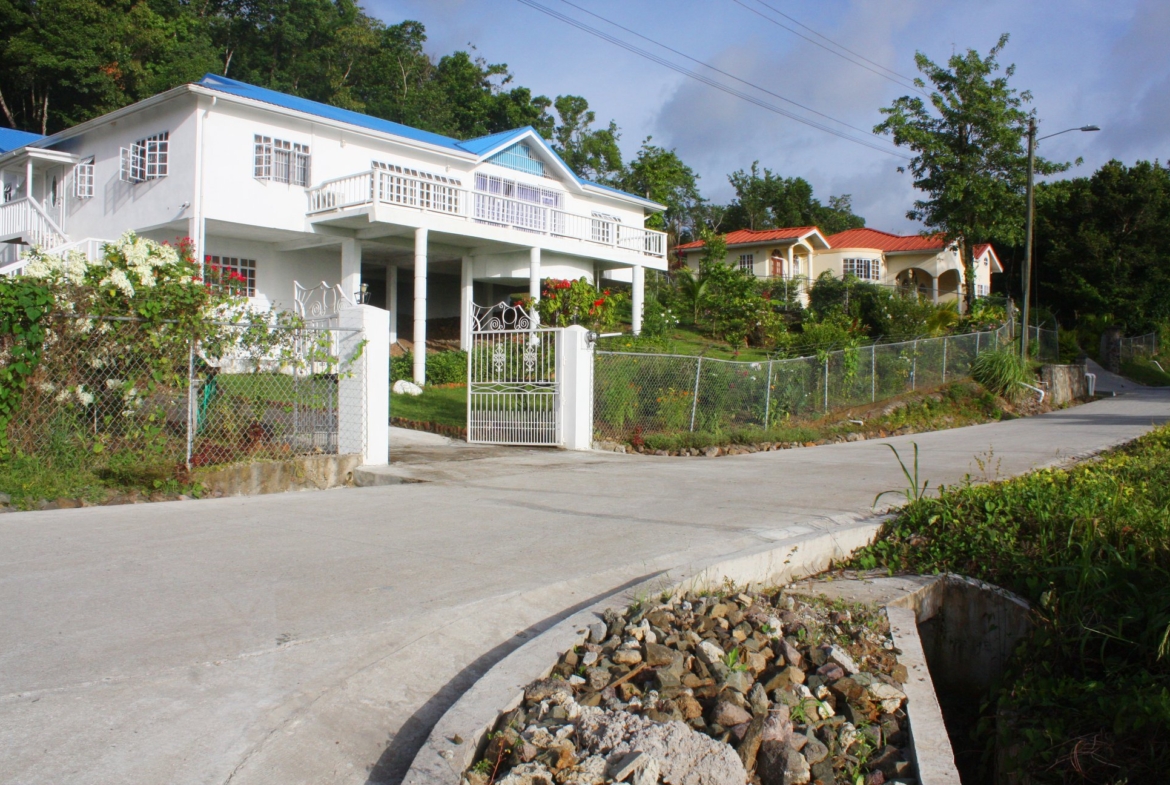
<point>712,689</point>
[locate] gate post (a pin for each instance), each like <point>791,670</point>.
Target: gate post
<point>363,405</point>
<point>575,383</point>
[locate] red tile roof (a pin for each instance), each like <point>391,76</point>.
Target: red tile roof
<point>753,236</point>
<point>884,241</point>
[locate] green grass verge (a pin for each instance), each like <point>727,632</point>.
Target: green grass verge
<point>1145,372</point>
<point>443,405</point>
<point>682,340</point>
<point>1087,696</point>
<point>953,406</point>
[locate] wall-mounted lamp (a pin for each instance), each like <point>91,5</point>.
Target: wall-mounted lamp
<point>362,295</point>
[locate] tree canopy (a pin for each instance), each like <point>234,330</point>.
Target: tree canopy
<point>1103,245</point>
<point>969,158</point>
<point>769,201</point>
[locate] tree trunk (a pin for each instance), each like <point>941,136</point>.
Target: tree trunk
<point>968,273</point>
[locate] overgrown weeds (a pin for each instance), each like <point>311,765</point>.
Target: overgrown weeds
<point>1087,698</point>
<point>1003,372</point>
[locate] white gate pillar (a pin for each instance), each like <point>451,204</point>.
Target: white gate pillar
<point>351,269</point>
<point>363,386</point>
<point>575,377</point>
<point>466,298</point>
<point>639,296</point>
<point>420,306</point>
<point>392,300</point>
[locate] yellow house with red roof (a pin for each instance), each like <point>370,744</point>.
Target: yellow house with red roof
<point>925,264</point>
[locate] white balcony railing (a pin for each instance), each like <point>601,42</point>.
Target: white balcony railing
<point>26,220</point>
<point>366,188</point>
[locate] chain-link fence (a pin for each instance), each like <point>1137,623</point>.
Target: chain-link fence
<point>119,397</point>
<point>1139,346</point>
<point>669,393</point>
<point>1044,344</point>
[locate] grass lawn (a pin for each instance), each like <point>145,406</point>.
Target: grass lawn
<point>1087,696</point>
<point>443,405</point>
<point>682,340</point>
<point>952,406</point>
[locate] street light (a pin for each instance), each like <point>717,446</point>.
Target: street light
<point>1027,272</point>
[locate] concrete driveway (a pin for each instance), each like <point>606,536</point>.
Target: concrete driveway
<point>315,637</point>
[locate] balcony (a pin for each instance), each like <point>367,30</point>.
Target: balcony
<point>368,188</point>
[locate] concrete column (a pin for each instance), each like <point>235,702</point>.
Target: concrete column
<point>392,300</point>
<point>466,302</point>
<point>363,394</point>
<point>575,374</point>
<point>28,178</point>
<point>351,269</point>
<point>638,274</point>
<point>420,306</point>
<point>534,281</point>
<point>934,289</point>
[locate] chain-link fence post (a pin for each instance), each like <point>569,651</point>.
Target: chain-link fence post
<point>826,383</point>
<point>873,373</point>
<point>944,378</point>
<point>695,396</point>
<point>914,367</point>
<point>190,400</point>
<point>768,396</point>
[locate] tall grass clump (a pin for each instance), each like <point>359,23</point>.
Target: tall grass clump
<point>1087,696</point>
<point>1003,372</point>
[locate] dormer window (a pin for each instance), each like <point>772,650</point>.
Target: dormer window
<point>146,159</point>
<point>281,161</point>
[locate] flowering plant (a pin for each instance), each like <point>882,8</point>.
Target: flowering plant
<point>565,302</point>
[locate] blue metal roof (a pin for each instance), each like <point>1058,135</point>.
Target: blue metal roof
<point>477,147</point>
<point>11,139</point>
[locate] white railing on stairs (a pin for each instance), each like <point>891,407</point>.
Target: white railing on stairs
<point>91,247</point>
<point>26,220</point>
<point>367,188</point>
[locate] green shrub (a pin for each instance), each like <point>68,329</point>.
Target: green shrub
<point>1087,696</point>
<point>1143,371</point>
<point>1003,372</point>
<point>442,367</point>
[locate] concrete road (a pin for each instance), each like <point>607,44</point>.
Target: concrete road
<point>314,637</point>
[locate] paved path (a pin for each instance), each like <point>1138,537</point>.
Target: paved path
<point>314,637</point>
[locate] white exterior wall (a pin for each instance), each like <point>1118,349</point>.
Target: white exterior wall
<point>118,206</point>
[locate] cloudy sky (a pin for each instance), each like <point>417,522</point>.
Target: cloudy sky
<point>1085,62</point>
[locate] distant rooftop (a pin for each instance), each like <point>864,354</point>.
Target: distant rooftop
<point>884,241</point>
<point>753,236</point>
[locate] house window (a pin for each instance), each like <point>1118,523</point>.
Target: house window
<point>501,186</point>
<point>83,179</point>
<point>146,159</point>
<point>865,269</point>
<point>231,275</point>
<point>981,290</point>
<point>281,161</point>
<point>747,262</point>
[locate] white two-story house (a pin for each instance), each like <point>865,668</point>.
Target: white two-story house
<point>312,204</point>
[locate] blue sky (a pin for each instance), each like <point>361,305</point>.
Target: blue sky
<point>1106,63</point>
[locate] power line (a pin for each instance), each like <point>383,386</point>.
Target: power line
<point>707,80</point>
<point>834,43</point>
<point>898,81</point>
<point>719,70</point>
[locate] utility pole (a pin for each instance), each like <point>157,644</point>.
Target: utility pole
<point>1027,266</point>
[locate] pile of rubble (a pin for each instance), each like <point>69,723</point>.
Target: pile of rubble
<point>770,688</point>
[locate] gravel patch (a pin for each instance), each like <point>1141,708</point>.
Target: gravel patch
<point>739,687</point>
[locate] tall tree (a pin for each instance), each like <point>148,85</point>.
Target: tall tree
<point>1105,241</point>
<point>659,174</point>
<point>591,152</point>
<point>969,159</point>
<point>769,201</point>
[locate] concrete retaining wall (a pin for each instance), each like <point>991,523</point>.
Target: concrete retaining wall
<point>1064,383</point>
<point>304,473</point>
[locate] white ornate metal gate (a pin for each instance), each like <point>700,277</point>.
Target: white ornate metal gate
<point>512,389</point>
